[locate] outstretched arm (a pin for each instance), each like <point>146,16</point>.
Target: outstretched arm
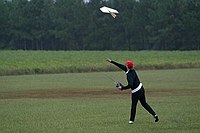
<point>123,67</point>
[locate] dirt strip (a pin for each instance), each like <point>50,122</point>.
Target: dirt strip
<point>64,93</point>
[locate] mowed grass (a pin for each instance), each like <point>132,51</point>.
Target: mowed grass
<point>174,94</point>
<point>97,115</point>
<point>31,62</point>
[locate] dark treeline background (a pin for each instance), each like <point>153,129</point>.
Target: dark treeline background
<point>79,25</point>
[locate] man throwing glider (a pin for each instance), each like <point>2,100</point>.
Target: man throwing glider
<point>137,89</point>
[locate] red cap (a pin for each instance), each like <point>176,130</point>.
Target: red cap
<point>129,64</point>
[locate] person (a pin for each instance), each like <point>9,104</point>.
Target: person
<point>137,89</point>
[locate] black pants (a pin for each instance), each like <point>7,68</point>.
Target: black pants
<point>139,95</point>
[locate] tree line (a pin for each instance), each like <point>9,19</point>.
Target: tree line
<point>80,25</point>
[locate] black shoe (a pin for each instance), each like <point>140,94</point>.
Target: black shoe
<point>156,118</point>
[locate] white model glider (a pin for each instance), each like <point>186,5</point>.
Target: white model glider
<point>112,12</point>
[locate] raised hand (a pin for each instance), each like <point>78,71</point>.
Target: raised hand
<point>108,60</point>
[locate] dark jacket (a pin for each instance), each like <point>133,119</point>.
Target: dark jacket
<point>132,78</point>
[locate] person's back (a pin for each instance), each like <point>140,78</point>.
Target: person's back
<point>132,77</point>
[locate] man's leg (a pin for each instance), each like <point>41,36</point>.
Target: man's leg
<point>146,105</point>
<point>133,106</point>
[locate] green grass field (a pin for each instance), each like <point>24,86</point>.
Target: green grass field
<point>89,103</point>
<point>31,62</point>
